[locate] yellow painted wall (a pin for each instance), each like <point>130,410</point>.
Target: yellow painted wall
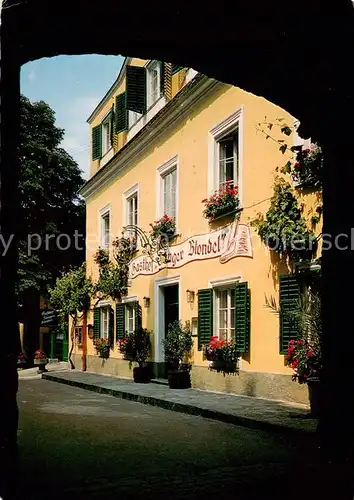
<point>189,140</point>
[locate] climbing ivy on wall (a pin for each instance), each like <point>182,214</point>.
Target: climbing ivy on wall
<point>305,165</point>
<point>283,228</point>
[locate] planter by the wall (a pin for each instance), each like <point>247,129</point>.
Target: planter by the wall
<point>141,374</point>
<point>41,363</point>
<point>179,379</point>
<point>315,396</point>
<point>104,353</point>
<point>223,366</point>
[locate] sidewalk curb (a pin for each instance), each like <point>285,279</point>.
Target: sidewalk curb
<point>187,408</point>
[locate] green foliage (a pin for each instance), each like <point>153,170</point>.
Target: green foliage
<point>178,343</point>
<point>49,204</point>
<point>72,292</point>
<point>113,278</point>
<point>304,353</point>
<point>137,345</point>
<point>284,229</point>
<point>222,202</point>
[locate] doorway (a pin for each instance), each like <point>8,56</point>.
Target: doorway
<point>167,311</point>
<point>171,305</point>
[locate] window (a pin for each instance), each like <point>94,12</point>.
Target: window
<point>169,193</point>
<point>225,313</point>
<point>227,170</point>
<point>132,210</point>
<point>225,154</point>
<point>153,83</point>
<point>105,228</point>
<point>105,313</point>
<point>106,134</point>
<point>78,335</point>
<point>129,318</point>
<point>133,117</point>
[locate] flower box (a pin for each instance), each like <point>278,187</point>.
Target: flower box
<point>164,227</point>
<point>223,202</point>
<point>222,355</point>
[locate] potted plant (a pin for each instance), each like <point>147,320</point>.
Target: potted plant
<point>136,347</point>
<point>304,354</point>
<point>164,227</point>
<point>222,354</point>
<point>40,359</point>
<point>21,360</point>
<point>102,347</point>
<point>177,345</point>
<point>223,202</point>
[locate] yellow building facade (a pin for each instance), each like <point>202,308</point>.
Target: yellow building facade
<point>162,138</point>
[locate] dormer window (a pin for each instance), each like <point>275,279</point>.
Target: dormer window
<point>153,83</point>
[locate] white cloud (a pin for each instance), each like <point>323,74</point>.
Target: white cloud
<point>31,76</point>
<point>77,132</point>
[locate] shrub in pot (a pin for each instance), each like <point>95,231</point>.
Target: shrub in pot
<point>177,345</point>
<point>102,347</point>
<point>136,347</point>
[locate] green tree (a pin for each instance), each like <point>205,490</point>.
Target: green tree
<point>49,207</point>
<point>71,295</point>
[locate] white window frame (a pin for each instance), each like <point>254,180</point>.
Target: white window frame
<point>216,316</point>
<point>133,118</point>
<point>102,215</point>
<point>223,129</point>
<point>152,66</point>
<point>129,308</point>
<point>216,285</point>
<point>106,147</point>
<point>127,195</point>
<point>128,301</point>
<point>104,310</point>
<point>162,171</point>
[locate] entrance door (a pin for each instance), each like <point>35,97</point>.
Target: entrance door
<point>171,306</point>
<point>171,312</point>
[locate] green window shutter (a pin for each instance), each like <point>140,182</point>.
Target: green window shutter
<point>289,292</point>
<point>138,315</point>
<point>121,113</point>
<point>96,143</point>
<point>176,68</point>
<point>242,317</point>
<point>136,89</point>
<point>96,323</point>
<point>120,321</point>
<point>205,316</point>
<point>111,327</point>
<point>112,124</point>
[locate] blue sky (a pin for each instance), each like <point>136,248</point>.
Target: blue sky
<point>72,86</point>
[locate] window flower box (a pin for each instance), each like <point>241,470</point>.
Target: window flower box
<point>102,348</point>
<point>164,227</point>
<point>223,202</point>
<point>222,355</point>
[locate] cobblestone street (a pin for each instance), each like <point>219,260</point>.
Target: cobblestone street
<point>77,444</point>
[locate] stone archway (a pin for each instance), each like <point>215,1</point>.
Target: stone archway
<point>296,59</point>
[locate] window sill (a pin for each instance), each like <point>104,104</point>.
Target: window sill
<point>106,152</point>
<point>229,216</point>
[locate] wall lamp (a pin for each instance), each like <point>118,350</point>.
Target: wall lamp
<point>146,301</point>
<point>190,296</point>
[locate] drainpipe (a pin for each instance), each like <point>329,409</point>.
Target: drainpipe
<point>84,341</point>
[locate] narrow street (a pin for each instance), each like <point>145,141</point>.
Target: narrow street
<point>78,444</point>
